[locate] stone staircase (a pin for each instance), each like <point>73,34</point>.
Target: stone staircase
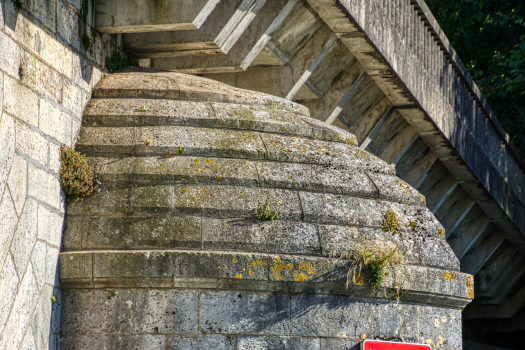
<point>168,255</point>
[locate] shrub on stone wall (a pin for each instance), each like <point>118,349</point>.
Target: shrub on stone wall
<point>116,62</point>
<point>76,175</point>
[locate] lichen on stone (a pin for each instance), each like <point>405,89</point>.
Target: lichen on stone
<point>391,222</point>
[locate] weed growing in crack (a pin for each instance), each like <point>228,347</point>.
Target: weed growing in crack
<point>266,213</point>
<point>76,175</point>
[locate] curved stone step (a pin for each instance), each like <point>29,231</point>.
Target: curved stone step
<point>149,83</point>
<point>125,112</point>
<point>241,172</point>
<point>245,234</point>
<point>236,201</point>
<point>166,140</point>
<point>248,271</point>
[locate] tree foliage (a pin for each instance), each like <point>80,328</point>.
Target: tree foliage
<point>489,36</point>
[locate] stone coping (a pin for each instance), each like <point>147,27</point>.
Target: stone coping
<point>164,112</point>
<point>149,83</point>
<point>262,272</point>
<point>166,141</point>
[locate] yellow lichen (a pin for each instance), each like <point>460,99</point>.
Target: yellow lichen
<point>358,279</point>
<point>413,224</point>
<point>449,276</point>
<point>391,222</point>
<point>234,260</point>
<point>469,283</point>
<point>238,276</point>
<point>441,232</point>
<point>278,268</point>
<point>300,276</point>
<point>255,262</point>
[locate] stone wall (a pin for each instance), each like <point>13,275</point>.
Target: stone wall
<point>46,78</point>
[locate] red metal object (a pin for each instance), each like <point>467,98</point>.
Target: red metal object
<point>388,345</point>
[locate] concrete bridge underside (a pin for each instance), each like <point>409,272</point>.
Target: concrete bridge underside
<point>384,70</point>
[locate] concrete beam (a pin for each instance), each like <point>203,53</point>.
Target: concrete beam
<point>472,262</point>
<point>279,80</point>
<point>488,274</point>
<point>507,308</point>
<point>372,120</point>
<point>465,237</point>
<point>504,279</point>
<point>144,45</point>
<point>238,44</point>
<point>134,16</point>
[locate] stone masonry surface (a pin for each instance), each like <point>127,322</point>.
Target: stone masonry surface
<point>46,79</point>
<point>168,255</point>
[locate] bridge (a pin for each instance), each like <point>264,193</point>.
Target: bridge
<point>385,71</point>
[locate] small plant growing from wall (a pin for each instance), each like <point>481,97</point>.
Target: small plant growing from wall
<point>391,222</point>
<point>378,260</point>
<point>116,62</point>
<point>266,213</point>
<point>76,175</point>
<point>86,41</point>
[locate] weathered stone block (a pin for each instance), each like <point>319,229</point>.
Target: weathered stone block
<point>10,56</point>
<point>29,340</point>
<point>220,265</point>
<point>141,233</point>
<point>138,265</point>
<point>31,143</point>
<point>393,188</point>
<point>325,316</point>
<point>42,316</point>
<point>339,344</point>
<point>109,342</point>
<point>308,269</point>
<point>240,312</point>
<point>76,266</point>
<point>293,149</point>
<point>1,86</point>
<point>25,236</point>
<point>8,221</point>
<point>7,150</point>
<point>55,122</point>
<point>43,186</point>
<point>184,170</point>
<point>114,199</point>
<point>43,45</point>
<point>284,343</point>
<point>17,182</point>
<point>319,178</point>
<point>233,201</point>
<point>165,311</point>
<point>38,260</point>
<point>322,207</point>
<point>277,236</point>
<point>44,11</point>
<point>72,98</point>
<point>52,265</point>
<point>72,236</point>
<point>438,327</point>
<point>50,226</point>
<point>8,290</point>
<point>96,311</point>
<point>20,101</point>
<point>20,316</point>
<point>40,77</point>
<point>217,342</point>
<point>67,24</point>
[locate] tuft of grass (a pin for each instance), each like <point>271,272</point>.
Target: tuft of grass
<point>54,299</point>
<point>147,142</point>
<point>266,213</point>
<point>377,259</point>
<point>86,41</point>
<point>76,175</point>
<point>180,150</point>
<point>104,75</point>
<point>391,222</point>
<point>143,109</point>
<point>116,62</point>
